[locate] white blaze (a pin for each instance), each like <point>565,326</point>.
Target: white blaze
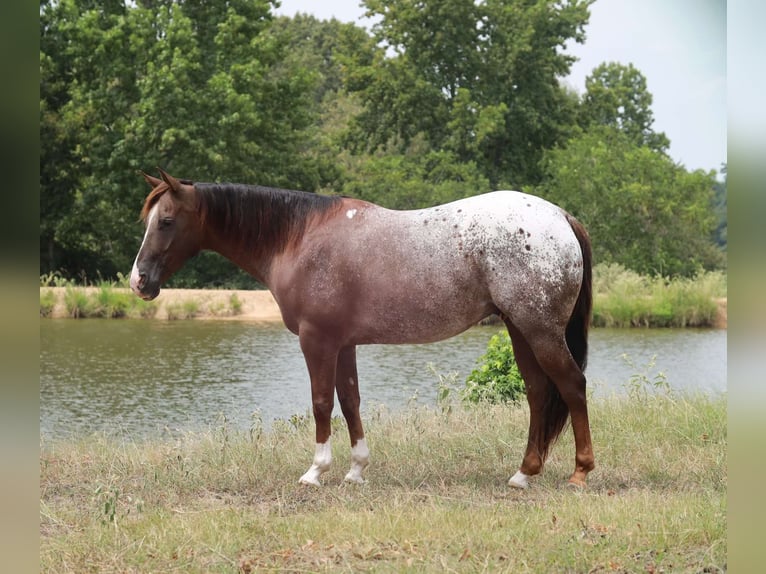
<point>134,278</point>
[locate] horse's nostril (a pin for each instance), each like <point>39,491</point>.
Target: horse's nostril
<point>141,279</point>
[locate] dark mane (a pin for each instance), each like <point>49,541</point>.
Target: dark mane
<point>261,218</point>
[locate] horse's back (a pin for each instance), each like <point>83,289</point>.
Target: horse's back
<point>523,247</point>
<point>427,274</point>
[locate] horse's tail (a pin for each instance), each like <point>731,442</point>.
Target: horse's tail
<point>579,321</point>
<point>555,411</point>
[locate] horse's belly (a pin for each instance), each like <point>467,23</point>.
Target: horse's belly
<point>420,305</point>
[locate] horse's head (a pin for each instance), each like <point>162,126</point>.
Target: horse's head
<point>173,234</point>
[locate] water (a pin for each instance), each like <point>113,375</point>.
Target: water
<point>148,377</point>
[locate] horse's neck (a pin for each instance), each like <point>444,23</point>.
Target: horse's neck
<point>256,264</point>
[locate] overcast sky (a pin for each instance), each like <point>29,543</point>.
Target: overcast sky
<point>678,45</point>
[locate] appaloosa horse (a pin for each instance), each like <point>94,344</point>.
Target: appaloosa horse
<point>346,272</point>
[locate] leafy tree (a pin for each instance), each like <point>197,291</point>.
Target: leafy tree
<point>642,211</point>
<point>616,95</point>
<point>198,88</point>
<point>478,79</point>
<point>419,177</point>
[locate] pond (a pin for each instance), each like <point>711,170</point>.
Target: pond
<point>146,377</point>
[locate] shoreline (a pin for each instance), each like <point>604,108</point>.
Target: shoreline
<point>211,304</point>
<point>253,305</point>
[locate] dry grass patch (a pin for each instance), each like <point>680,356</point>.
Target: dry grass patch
<point>227,500</point>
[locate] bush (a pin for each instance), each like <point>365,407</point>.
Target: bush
<point>111,303</point>
<point>77,303</point>
<point>497,378</point>
<point>47,302</point>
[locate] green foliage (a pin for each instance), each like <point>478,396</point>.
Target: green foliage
<point>497,378</point>
<point>182,310</point>
<point>504,58</point>
<point>641,210</point>
<point>201,89</point>
<point>415,179</point>
<point>617,96</point>
<point>102,302</point>
<point>623,298</point>
<point>235,304</point>
<point>77,303</point>
<point>440,100</point>
<point>47,302</point>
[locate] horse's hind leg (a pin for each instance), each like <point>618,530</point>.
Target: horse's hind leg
<point>543,424</point>
<point>555,359</point>
<point>347,387</point>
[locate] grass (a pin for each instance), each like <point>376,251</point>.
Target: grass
<point>227,500</point>
<point>182,310</point>
<point>105,301</point>
<point>623,298</point>
<point>47,302</point>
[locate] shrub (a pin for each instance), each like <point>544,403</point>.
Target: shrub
<point>77,303</point>
<point>112,304</point>
<point>235,304</point>
<point>182,310</point>
<point>47,302</point>
<point>496,379</point>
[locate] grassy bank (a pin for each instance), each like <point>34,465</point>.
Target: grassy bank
<point>622,298</point>
<point>116,302</point>
<point>228,500</point>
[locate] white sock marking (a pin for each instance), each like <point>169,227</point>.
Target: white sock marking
<point>322,460</point>
<point>360,458</point>
<point>519,480</point>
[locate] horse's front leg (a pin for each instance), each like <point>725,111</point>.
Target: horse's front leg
<point>347,386</point>
<point>321,358</point>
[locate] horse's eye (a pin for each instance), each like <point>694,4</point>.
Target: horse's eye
<point>165,222</point>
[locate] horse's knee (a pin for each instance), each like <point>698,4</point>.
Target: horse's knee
<point>322,407</point>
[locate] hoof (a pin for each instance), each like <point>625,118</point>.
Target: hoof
<point>519,480</point>
<point>309,480</point>
<point>576,484</point>
<point>354,478</point>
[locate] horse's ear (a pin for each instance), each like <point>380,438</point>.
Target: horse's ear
<point>172,182</point>
<point>153,181</point>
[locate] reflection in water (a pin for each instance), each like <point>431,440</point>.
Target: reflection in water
<point>144,376</point>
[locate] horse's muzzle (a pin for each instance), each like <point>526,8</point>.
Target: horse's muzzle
<point>142,287</point>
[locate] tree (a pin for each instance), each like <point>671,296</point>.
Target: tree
<point>197,88</point>
<point>616,95</point>
<point>419,177</point>
<point>489,70</point>
<point>641,210</point>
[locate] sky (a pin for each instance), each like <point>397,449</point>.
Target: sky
<point>678,45</point>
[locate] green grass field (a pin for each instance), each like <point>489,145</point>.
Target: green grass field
<point>435,500</point>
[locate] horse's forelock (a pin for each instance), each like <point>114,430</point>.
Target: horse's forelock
<point>152,199</point>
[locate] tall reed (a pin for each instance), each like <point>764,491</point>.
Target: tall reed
<point>623,298</point>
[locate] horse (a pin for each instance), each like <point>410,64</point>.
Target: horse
<point>345,272</point>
